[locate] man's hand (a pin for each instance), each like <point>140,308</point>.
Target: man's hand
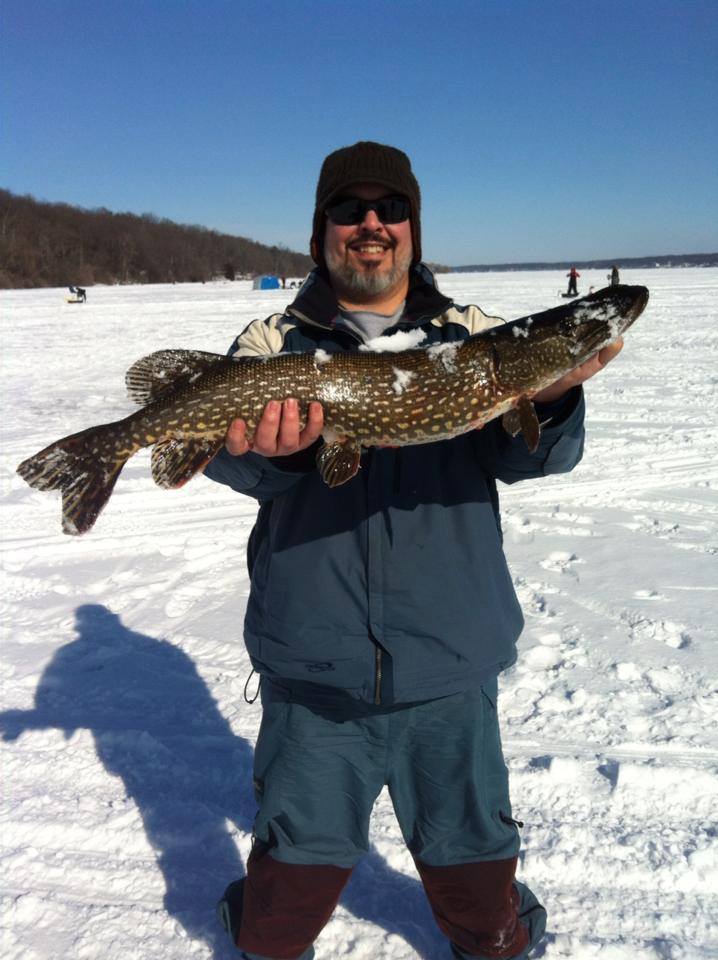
<point>587,370</point>
<point>278,433</point>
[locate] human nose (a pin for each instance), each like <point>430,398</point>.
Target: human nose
<point>371,221</point>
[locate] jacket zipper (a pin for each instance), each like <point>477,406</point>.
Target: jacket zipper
<point>321,326</point>
<point>377,684</point>
<point>352,336</point>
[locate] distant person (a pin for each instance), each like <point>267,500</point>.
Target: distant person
<point>573,276</point>
<point>614,277</point>
<point>79,293</point>
<point>381,612</point>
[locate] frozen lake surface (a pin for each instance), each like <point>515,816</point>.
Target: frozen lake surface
<point>128,744</point>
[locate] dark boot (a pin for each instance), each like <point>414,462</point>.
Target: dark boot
<point>531,915</point>
<point>229,908</point>
<point>229,912</point>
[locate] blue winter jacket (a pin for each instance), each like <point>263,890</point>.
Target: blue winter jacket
<point>393,587</point>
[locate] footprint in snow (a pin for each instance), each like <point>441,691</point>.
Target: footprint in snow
<point>665,631</point>
<point>627,672</point>
<point>648,595</point>
<point>561,561</point>
<point>521,704</point>
<point>551,639</point>
<point>542,658</point>
<point>672,634</point>
<point>183,599</point>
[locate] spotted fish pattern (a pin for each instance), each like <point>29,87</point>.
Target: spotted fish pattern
<point>377,397</point>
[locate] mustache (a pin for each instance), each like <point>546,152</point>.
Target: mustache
<point>369,236</point>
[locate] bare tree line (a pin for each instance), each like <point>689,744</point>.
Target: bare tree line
<point>56,244</point>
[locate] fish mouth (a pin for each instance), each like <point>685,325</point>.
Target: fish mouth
<point>626,300</point>
<point>640,303</point>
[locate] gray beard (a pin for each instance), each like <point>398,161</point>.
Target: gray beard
<point>364,283</point>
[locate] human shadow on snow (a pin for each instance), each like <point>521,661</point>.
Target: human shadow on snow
<point>158,728</point>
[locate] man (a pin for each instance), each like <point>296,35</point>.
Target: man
<point>382,611</point>
<point>573,276</point>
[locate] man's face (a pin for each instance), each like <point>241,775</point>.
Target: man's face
<point>371,257</point>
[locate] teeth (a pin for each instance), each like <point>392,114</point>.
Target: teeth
<point>370,248</point>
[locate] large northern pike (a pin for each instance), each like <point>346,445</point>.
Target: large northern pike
<point>369,398</point>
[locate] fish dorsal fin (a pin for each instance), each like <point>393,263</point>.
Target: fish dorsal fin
<point>155,375</point>
<point>175,461</point>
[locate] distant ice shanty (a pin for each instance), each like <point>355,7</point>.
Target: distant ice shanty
<point>266,282</point>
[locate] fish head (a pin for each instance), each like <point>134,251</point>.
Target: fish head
<point>535,351</point>
<point>602,317</point>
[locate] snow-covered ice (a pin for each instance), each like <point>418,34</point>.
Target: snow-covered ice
<point>127,744</point>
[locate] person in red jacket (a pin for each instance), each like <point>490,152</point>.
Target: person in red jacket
<point>573,276</point>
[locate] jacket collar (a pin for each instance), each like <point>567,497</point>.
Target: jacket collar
<point>316,303</point>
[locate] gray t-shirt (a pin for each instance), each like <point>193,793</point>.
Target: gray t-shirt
<point>366,324</point>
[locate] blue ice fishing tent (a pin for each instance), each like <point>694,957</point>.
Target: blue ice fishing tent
<point>266,282</point>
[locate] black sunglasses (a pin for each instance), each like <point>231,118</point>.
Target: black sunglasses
<point>350,211</point>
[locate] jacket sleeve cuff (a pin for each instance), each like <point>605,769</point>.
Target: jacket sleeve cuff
<point>240,473</point>
<point>302,462</point>
<point>557,412</point>
<point>261,477</point>
<point>563,435</point>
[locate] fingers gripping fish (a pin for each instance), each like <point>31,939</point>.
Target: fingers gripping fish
<point>188,398</point>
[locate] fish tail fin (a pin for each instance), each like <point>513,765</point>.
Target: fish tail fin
<point>84,467</point>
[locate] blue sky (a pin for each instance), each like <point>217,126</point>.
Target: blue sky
<point>538,129</point>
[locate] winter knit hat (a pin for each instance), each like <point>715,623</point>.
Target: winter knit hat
<point>365,162</point>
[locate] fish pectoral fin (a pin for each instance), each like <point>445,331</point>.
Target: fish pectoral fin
<point>522,419</point>
<point>338,461</point>
<point>174,461</point>
<point>511,422</point>
<point>159,373</point>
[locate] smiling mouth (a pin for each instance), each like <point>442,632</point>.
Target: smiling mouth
<point>369,248</point>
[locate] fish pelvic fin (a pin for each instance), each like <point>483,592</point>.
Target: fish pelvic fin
<point>158,374</point>
<point>530,427</point>
<point>522,419</point>
<point>511,422</point>
<point>175,461</point>
<point>84,468</point>
<point>338,461</point>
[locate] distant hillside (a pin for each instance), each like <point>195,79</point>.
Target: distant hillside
<point>55,244</point>
<point>630,263</point>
